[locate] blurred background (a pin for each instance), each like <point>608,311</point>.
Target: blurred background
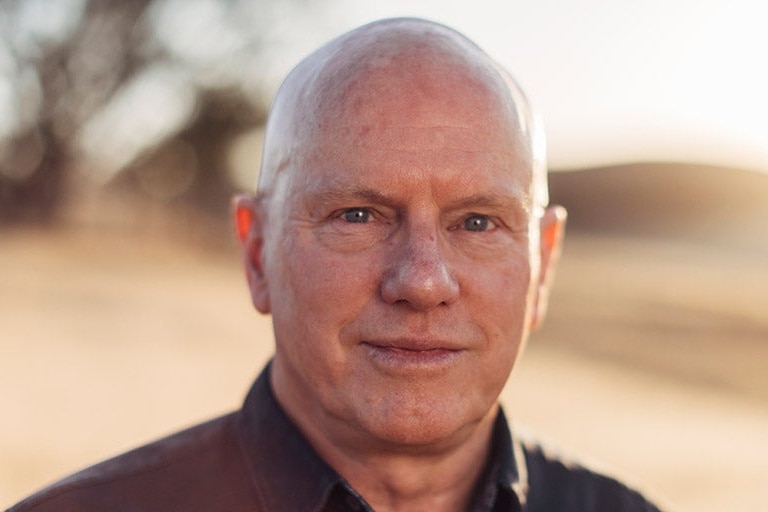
<point>125,127</point>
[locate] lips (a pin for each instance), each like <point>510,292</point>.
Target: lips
<point>414,344</point>
<point>412,354</point>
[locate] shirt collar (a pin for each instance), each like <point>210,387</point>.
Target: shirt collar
<point>287,472</point>
<point>513,473</point>
<point>289,475</point>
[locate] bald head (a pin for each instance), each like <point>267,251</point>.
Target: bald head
<point>393,73</point>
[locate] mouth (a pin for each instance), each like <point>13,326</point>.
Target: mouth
<point>412,355</point>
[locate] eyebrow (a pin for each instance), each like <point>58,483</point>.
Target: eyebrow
<point>340,191</point>
<point>345,191</point>
<point>491,200</point>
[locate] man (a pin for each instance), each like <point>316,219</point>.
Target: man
<point>402,242</point>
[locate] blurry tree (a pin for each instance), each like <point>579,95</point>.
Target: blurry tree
<point>157,89</point>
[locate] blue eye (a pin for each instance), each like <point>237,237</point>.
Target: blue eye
<point>356,215</point>
<point>476,223</point>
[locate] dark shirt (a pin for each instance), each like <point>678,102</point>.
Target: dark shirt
<point>256,460</point>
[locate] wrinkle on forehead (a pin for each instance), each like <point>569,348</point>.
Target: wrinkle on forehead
<point>455,137</point>
<point>384,73</point>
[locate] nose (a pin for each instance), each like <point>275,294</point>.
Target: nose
<point>419,274</point>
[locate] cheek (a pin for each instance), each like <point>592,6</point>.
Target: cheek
<point>321,295</point>
<point>320,287</point>
<point>504,300</point>
<point>509,275</point>
<point>507,311</point>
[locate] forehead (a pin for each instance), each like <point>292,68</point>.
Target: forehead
<point>441,146</point>
<point>410,118</point>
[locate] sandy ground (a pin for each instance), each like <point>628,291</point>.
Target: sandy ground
<point>653,362</point>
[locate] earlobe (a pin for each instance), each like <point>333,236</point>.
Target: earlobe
<point>248,221</point>
<point>552,230</point>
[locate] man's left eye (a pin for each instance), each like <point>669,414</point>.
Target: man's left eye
<point>477,223</point>
<point>356,215</point>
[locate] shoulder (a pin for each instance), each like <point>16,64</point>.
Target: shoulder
<point>180,472</point>
<point>556,484</point>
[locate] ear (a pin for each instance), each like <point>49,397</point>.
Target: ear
<point>552,229</point>
<point>249,226</point>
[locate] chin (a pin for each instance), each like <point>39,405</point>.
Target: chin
<point>421,429</point>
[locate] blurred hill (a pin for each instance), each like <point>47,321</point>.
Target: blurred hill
<point>666,267</point>
<point>703,204</point>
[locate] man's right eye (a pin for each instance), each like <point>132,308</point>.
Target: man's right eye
<point>356,215</point>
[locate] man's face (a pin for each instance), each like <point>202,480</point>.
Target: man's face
<point>400,264</point>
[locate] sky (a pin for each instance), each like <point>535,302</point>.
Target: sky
<point>619,81</point>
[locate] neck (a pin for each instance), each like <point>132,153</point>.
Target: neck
<point>441,478</point>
